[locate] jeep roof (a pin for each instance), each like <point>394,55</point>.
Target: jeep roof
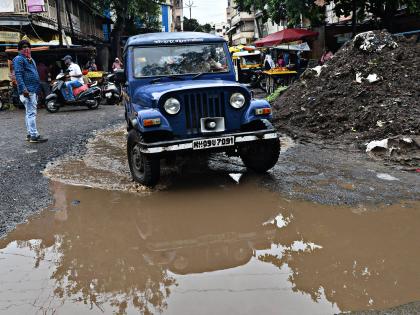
<point>168,38</point>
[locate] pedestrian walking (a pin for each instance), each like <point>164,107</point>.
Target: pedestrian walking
<point>27,80</point>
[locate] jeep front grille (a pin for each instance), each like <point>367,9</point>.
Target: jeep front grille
<point>199,105</point>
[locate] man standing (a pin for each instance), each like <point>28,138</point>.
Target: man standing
<point>43,73</point>
<point>76,78</point>
<point>27,79</point>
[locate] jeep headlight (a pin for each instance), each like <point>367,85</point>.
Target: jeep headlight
<point>237,100</point>
<point>172,106</point>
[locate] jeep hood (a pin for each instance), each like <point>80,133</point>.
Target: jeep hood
<point>149,95</point>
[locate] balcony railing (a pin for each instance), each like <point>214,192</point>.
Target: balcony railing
<point>242,16</point>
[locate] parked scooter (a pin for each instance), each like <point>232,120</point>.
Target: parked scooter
<point>111,90</point>
<point>85,95</point>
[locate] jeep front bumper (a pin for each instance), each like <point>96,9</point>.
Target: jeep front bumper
<point>187,144</point>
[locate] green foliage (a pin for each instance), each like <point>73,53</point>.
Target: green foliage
<point>278,10</point>
<point>274,96</point>
<point>127,12</point>
<point>192,25</point>
<point>383,9</point>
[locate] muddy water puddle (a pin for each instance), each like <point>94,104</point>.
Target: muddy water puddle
<point>208,240</point>
<point>231,249</point>
<point>104,165</point>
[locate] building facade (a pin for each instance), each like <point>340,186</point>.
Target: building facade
<point>242,25</point>
<point>263,29</point>
<point>178,15</point>
<point>80,22</point>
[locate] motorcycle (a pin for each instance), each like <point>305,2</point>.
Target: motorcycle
<point>87,95</point>
<point>111,90</point>
<point>258,80</point>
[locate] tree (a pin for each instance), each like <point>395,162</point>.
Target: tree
<point>192,25</point>
<point>130,13</point>
<point>385,10</point>
<point>292,10</point>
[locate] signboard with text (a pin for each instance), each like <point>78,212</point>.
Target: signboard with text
<point>36,6</point>
<point>9,37</point>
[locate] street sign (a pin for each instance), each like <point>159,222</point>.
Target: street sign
<point>9,37</point>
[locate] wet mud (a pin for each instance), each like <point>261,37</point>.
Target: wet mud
<point>104,165</point>
<point>235,248</point>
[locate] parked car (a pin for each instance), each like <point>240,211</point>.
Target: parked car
<point>182,98</point>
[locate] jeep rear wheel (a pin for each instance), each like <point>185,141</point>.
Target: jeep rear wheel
<point>144,168</point>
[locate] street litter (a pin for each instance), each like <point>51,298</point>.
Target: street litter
<point>377,144</point>
<point>371,42</point>
<point>318,70</point>
<point>371,78</point>
<point>385,176</point>
<point>403,150</point>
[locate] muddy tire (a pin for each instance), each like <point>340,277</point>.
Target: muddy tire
<point>52,107</point>
<point>144,168</point>
<point>260,156</point>
<point>263,84</point>
<point>94,106</point>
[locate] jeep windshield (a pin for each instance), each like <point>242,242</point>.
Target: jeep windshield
<point>179,60</point>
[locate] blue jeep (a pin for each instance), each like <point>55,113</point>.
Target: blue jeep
<point>182,98</point>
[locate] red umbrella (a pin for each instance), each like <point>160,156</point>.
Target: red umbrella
<point>285,36</point>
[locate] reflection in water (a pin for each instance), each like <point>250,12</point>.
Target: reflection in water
<point>118,252</point>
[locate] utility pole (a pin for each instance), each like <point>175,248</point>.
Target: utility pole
<point>190,5</point>
<point>354,18</point>
<point>60,26</point>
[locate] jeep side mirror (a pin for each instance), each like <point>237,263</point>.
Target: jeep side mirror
<point>120,76</point>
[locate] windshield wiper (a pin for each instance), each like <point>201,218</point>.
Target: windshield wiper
<point>198,75</point>
<point>175,77</point>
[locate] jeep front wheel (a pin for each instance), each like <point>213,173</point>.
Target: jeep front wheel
<point>262,155</point>
<point>144,168</point>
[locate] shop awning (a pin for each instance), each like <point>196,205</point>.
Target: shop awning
<point>10,20</point>
<point>297,47</point>
<point>285,36</point>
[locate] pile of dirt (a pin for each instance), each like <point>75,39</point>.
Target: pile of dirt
<point>370,90</point>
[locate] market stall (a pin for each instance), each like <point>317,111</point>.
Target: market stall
<point>278,77</point>
<point>286,45</point>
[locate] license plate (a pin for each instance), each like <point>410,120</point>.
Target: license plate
<point>108,95</point>
<point>213,143</point>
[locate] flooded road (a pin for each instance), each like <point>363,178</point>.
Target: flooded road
<point>232,249</point>
<point>215,239</point>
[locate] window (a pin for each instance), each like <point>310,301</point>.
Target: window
<point>179,60</point>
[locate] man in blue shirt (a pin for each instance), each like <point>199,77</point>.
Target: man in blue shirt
<point>28,84</point>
